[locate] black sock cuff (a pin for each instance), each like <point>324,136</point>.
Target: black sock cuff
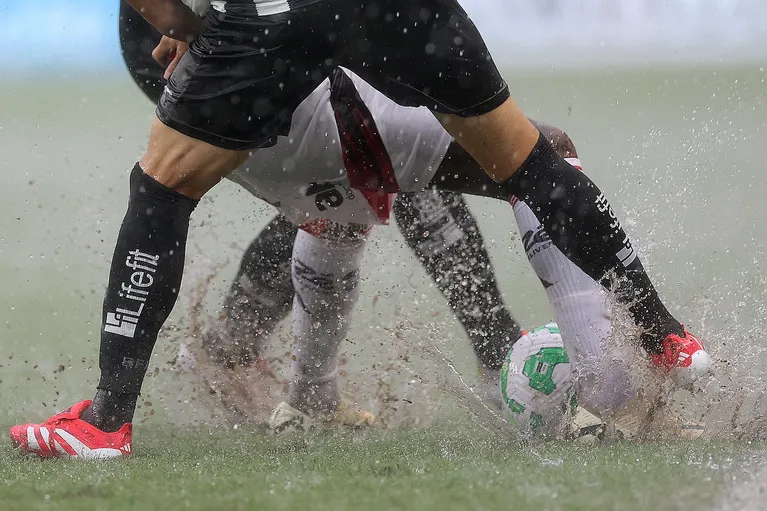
<point>144,186</point>
<point>543,154</point>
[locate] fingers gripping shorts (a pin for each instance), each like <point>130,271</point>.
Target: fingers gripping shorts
<point>244,76</point>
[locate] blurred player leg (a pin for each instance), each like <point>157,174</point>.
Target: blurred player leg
<point>588,234</point>
<point>259,298</point>
<point>326,272</point>
<point>445,237</point>
<point>442,232</point>
<point>580,309</point>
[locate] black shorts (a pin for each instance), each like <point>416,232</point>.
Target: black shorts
<point>137,40</point>
<point>245,74</point>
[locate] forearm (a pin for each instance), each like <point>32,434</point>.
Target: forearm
<point>170,17</point>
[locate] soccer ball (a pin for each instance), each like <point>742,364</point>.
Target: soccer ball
<point>537,383</point>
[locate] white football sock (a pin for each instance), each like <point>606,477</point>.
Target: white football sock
<point>580,308</point>
<point>326,274</point>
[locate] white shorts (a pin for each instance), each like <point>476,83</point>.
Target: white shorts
<point>305,175</point>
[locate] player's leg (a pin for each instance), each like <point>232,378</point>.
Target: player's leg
<point>607,384</point>
<point>261,293</point>
<point>577,300</point>
<point>484,119</point>
<point>259,298</point>
<point>581,310</point>
<point>144,280</point>
<point>581,223</point>
<point>143,284</point>
<point>326,272</point>
<point>148,264</point>
<point>442,232</point>
<point>190,150</point>
<point>579,304</point>
<point>582,233</point>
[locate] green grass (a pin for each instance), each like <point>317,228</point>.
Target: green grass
<point>426,469</point>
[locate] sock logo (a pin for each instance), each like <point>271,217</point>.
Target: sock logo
<point>436,226</point>
<point>322,282</point>
<point>626,254</point>
<point>124,319</point>
<point>536,241</point>
<point>120,324</point>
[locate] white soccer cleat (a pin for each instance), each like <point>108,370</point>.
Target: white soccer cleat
<point>586,427</point>
<point>352,417</point>
<point>648,421</point>
<point>286,418</point>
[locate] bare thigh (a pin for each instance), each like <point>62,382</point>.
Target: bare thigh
<point>185,164</point>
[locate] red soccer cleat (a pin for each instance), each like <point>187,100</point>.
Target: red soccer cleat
<point>684,358</point>
<point>65,435</point>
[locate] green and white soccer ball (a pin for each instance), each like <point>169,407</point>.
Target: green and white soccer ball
<point>537,383</point>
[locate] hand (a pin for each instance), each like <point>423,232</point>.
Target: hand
<point>168,53</point>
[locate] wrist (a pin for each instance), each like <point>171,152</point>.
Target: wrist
<point>180,23</point>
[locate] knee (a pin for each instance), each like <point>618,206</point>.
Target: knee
<point>560,140</point>
<point>184,164</point>
<point>562,143</point>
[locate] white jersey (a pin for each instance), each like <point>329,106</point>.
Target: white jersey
<point>263,7</point>
<point>305,175</point>
<point>198,6</point>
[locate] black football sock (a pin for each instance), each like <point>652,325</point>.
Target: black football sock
<point>583,226</point>
<point>144,281</point>
<point>443,233</point>
<point>260,297</point>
